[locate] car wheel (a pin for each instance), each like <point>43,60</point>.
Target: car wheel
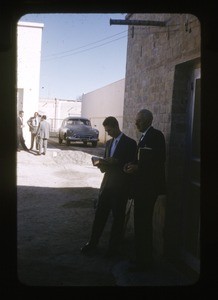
<point>94,144</point>
<point>60,140</point>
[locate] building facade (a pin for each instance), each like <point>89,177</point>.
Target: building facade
<point>58,109</point>
<point>29,37</point>
<point>163,75</point>
<point>104,102</point>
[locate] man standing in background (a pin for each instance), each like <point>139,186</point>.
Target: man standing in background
<point>43,134</point>
<point>33,123</point>
<point>20,138</point>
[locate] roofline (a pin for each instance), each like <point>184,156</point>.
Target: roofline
<point>30,24</point>
<point>128,16</point>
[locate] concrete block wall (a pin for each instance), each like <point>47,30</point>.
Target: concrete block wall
<point>152,54</point>
<point>160,61</point>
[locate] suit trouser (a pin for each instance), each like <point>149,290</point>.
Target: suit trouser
<point>109,201</point>
<point>143,226</point>
<point>34,138</point>
<point>20,140</point>
<point>43,143</point>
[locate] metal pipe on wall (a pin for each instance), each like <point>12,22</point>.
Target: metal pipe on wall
<point>137,22</point>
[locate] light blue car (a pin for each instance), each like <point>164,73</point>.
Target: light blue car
<point>78,129</point>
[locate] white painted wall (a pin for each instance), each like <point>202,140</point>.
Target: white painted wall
<point>57,109</point>
<point>29,36</point>
<point>104,102</point>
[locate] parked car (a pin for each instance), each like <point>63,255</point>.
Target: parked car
<point>77,129</point>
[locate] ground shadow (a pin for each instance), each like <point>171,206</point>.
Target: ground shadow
<point>52,225</point>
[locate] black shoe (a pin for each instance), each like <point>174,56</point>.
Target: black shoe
<point>88,249</point>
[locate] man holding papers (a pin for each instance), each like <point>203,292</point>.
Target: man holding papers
<point>113,194</point>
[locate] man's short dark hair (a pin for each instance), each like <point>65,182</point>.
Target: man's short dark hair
<point>111,121</point>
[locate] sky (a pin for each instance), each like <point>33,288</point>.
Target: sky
<point>80,53</point>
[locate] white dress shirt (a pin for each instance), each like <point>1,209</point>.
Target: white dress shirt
<point>114,144</point>
<point>143,134</point>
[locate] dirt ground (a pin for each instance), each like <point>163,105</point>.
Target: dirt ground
<point>56,195</point>
<point>55,209</point>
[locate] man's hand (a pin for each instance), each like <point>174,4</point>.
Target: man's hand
<point>102,168</point>
<point>110,161</point>
<point>105,164</point>
<point>130,168</point>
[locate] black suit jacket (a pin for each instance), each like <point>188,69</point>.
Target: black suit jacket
<point>19,126</point>
<point>151,173</point>
<point>115,178</point>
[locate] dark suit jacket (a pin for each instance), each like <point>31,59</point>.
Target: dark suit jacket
<point>115,178</point>
<point>151,174</point>
<point>19,126</point>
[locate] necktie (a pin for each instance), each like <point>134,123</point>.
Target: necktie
<point>113,147</point>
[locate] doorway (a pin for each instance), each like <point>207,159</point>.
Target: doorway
<point>191,196</point>
<point>182,233</point>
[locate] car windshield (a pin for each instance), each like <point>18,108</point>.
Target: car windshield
<point>78,122</point>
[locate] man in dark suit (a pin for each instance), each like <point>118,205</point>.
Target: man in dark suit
<point>20,138</point>
<point>149,182</point>
<point>113,194</point>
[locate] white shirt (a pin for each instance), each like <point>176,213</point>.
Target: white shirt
<point>144,133</point>
<point>35,121</point>
<point>114,144</point>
